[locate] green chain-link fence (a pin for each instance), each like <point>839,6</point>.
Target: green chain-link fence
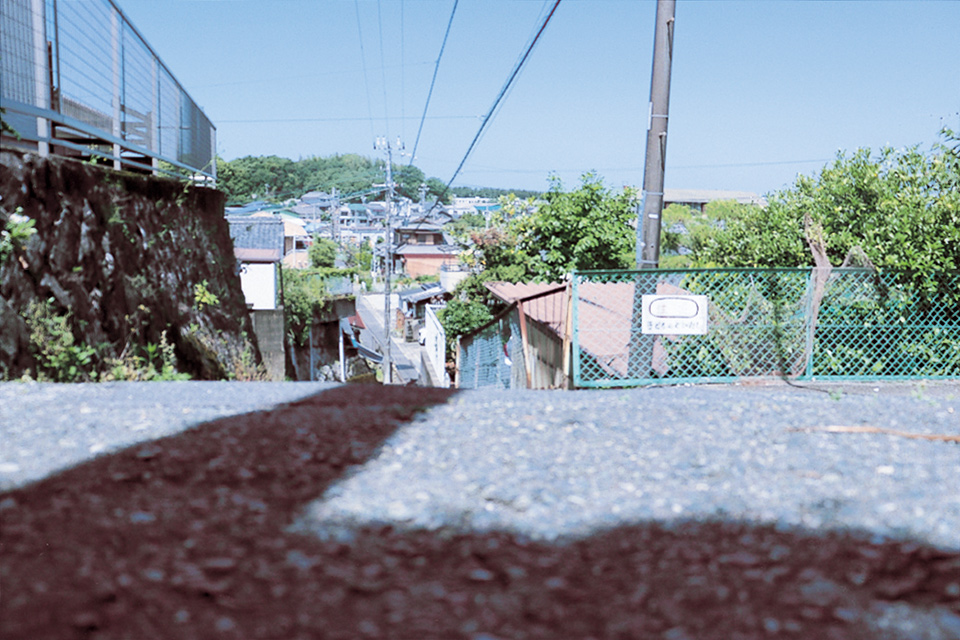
<point>853,324</point>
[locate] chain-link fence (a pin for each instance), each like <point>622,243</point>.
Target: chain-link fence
<point>853,324</point>
<point>77,79</point>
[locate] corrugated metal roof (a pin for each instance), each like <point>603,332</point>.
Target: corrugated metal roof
<point>605,313</point>
<point>548,306</point>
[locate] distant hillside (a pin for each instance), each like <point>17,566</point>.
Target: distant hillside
<point>274,178</point>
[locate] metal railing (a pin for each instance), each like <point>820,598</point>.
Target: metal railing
<point>851,324</point>
<point>77,79</point>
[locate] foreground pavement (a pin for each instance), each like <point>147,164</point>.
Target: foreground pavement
<point>416,513</point>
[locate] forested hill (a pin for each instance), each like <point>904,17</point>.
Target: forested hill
<point>275,178</point>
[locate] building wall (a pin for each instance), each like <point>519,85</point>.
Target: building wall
<point>415,266</point>
<point>259,284</point>
<point>268,327</point>
<point>435,346</point>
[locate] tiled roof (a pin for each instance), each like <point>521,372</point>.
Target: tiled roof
<point>256,239</point>
<point>418,295</point>
<point>427,250</point>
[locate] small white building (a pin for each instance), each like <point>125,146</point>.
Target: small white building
<point>258,247</point>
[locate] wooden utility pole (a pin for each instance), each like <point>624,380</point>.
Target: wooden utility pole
<point>651,206</point>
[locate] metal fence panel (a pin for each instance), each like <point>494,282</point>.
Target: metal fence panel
<point>801,323</point>
<point>493,356</point>
<point>76,78</point>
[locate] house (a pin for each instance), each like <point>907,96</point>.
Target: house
<point>354,215</point>
<point>532,347</point>
<point>483,206</point>
<point>540,353</point>
<point>412,310</point>
<point>258,247</point>
<point>413,302</point>
<point>296,243</point>
<point>423,250</point>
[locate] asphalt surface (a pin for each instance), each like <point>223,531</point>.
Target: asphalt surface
<point>560,464</point>
<point>406,356</point>
<point>46,428</point>
<point>557,464</point>
<point>673,512</point>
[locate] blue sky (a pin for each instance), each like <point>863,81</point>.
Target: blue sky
<point>761,91</point>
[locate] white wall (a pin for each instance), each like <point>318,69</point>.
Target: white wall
<point>436,342</point>
<point>259,284</point>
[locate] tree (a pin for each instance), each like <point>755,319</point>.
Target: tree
<point>463,227</point>
<point>488,192</point>
<point>588,228</point>
<point>408,180</point>
<point>900,207</point>
<point>437,190</point>
<point>322,253</point>
<point>360,256</point>
<point>277,179</point>
<point>584,229</point>
<point>304,294</point>
<point>686,231</point>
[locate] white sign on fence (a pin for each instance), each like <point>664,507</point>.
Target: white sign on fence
<point>675,315</point>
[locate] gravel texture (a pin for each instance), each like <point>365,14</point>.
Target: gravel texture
<point>557,464</point>
<point>371,512</point>
<point>48,427</point>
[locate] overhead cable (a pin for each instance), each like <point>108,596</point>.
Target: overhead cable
<point>363,63</point>
<point>503,92</point>
<point>383,72</point>
<point>433,81</point>
<point>332,119</point>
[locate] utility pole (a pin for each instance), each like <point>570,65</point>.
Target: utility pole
<point>423,197</point>
<point>382,144</point>
<point>335,215</point>
<point>651,207</point>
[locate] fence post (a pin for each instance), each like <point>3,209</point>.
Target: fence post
<point>575,329</point>
<point>457,376</point>
<point>567,336</point>
<point>811,323</point>
<point>524,344</point>
<point>41,73</point>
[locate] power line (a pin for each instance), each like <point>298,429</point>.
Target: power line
<point>383,71</point>
<point>302,76</point>
<point>363,63</point>
<point>433,81</point>
<point>503,92</point>
<point>487,169</point>
<point>338,119</point>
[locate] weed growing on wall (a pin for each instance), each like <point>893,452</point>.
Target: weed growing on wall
<point>60,356</point>
<point>15,233</point>
<point>203,297</point>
